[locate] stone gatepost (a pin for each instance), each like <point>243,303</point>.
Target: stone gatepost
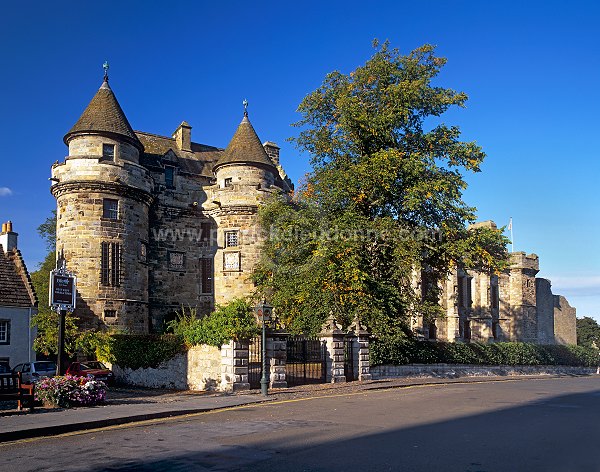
<point>333,337</point>
<point>360,350</point>
<point>277,357</point>
<point>234,366</point>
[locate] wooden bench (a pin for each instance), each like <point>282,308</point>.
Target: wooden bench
<point>11,388</point>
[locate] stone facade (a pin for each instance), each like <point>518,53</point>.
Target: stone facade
<point>511,306</point>
<point>149,223</point>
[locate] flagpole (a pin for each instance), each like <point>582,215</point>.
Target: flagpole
<point>512,238</point>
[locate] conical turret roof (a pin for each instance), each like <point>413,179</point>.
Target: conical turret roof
<point>104,115</point>
<point>244,147</point>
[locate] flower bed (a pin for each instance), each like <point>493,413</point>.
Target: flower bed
<point>70,390</point>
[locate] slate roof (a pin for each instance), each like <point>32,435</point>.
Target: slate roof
<point>16,289</point>
<point>245,147</point>
<point>199,161</point>
<point>104,115</point>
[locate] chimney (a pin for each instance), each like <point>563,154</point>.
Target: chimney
<point>8,238</point>
<point>272,151</point>
<point>183,136</point>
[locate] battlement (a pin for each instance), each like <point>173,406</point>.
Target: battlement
<point>521,260</point>
<point>484,224</point>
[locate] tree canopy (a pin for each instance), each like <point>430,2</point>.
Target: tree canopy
<point>588,332</point>
<point>382,202</point>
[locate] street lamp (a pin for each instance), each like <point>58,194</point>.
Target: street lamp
<point>264,311</point>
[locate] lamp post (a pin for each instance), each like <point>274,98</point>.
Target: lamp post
<point>264,311</point>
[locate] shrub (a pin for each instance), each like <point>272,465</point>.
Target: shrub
<point>407,351</point>
<point>69,390</point>
<point>141,350</point>
<point>232,321</point>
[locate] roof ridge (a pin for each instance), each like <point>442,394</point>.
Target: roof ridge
<point>146,133</point>
<point>15,288</point>
<point>25,276</point>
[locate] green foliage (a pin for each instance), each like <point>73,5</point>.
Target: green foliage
<point>95,343</point>
<point>46,321</point>
<point>588,332</point>
<point>47,230</point>
<point>408,351</point>
<point>46,340</point>
<point>384,198</point>
<point>232,321</point>
<point>141,351</point>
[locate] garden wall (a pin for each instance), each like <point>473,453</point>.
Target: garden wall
<point>198,369</point>
<point>465,370</point>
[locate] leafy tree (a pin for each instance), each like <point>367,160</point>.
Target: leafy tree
<point>383,200</point>
<point>46,320</point>
<point>588,332</point>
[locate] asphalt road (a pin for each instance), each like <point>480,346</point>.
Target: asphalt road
<point>531,425</point>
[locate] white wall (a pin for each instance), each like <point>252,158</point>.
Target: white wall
<point>20,348</point>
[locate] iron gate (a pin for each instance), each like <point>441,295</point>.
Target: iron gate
<point>255,362</point>
<point>349,359</point>
<point>305,361</point>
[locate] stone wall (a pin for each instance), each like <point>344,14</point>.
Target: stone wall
<point>453,371</point>
<point>565,321</point>
<point>545,311</point>
<point>511,306</point>
<point>83,184</point>
<point>198,369</point>
<point>178,229</point>
<point>234,207</point>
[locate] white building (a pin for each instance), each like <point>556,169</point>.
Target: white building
<point>18,302</point>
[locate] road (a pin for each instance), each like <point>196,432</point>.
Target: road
<point>531,425</point>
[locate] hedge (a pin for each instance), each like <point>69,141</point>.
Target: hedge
<point>141,351</point>
<point>400,352</point>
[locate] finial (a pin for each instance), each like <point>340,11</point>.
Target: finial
<point>245,103</point>
<point>60,261</point>
<point>105,66</point>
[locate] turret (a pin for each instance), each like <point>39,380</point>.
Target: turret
<point>245,178</point>
<point>103,130</point>
<point>103,196</point>
<point>245,163</point>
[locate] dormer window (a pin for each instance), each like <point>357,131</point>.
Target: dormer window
<point>108,152</point>
<point>228,182</point>
<point>170,177</point>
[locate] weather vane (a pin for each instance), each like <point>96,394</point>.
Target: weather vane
<point>105,66</point>
<point>245,103</point>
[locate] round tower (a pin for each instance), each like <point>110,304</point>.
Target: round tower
<point>103,197</point>
<point>245,178</point>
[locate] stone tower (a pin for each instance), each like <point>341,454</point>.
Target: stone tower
<point>245,177</point>
<point>103,197</point>
<point>518,307</point>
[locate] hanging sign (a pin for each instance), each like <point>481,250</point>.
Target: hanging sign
<point>63,287</point>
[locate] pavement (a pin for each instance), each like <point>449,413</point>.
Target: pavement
<point>128,405</point>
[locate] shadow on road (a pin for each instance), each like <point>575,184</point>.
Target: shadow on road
<point>557,433</point>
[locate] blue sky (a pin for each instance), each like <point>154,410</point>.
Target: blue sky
<point>531,72</point>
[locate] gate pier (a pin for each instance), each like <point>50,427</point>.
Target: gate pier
<point>333,338</point>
